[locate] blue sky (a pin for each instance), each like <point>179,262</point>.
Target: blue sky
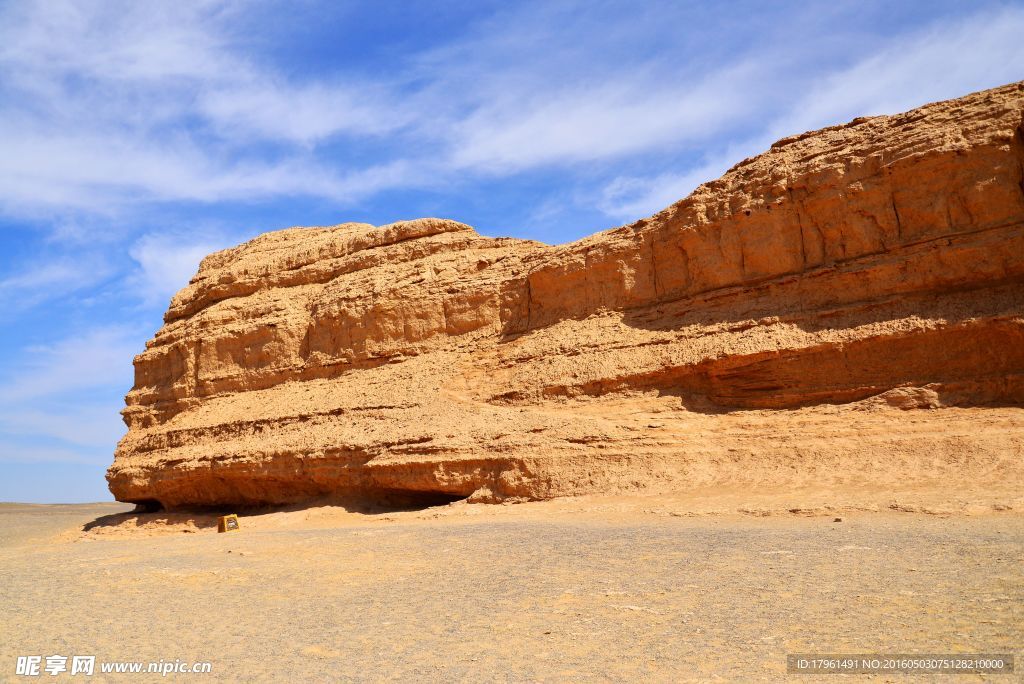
<point>137,137</point>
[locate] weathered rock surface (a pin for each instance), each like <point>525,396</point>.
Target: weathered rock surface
<point>847,307</point>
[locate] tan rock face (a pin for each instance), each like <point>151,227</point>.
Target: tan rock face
<point>846,307</point>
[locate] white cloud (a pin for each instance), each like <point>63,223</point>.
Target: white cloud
<point>631,197</point>
<point>303,114</point>
<point>94,358</point>
<point>44,276</point>
<point>13,450</point>
<point>97,174</point>
<point>941,62</point>
<point>122,103</point>
<point>166,262</point>
<point>116,41</point>
<point>627,116</point>
<point>115,104</point>
<point>62,399</point>
<point>95,425</point>
<point>544,84</point>
<point>944,61</point>
<point>50,279</point>
<point>137,103</point>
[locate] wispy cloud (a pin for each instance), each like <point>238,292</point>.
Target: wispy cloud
<point>17,451</point>
<point>942,61</point>
<point>166,262</point>
<point>126,103</point>
<point>93,358</point>
<point>584,123</point>
<point>628,197</point>
<point>303,114</point>
<point>547,84</point>
<point>106,105</point>
<point>93,427</point>
<point>64,397</point>
<point>42,281</point>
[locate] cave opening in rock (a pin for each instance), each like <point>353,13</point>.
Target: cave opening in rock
<point>148,506</point>
<point>386,500</point>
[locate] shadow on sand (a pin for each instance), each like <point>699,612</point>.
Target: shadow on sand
<point>371,503</point>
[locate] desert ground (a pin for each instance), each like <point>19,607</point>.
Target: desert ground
<point>589,589</point>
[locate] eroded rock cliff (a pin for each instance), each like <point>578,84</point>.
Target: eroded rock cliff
<point>846,307</point>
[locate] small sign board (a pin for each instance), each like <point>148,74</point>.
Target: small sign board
<point>227,523</point>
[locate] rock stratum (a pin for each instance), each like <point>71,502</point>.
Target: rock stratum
<point>845,309</point>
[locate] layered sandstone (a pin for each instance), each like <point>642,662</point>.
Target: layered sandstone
<point>847,307</point>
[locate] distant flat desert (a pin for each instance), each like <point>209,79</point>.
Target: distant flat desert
<point>590,589</point>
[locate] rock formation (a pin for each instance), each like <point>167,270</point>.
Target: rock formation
<point>845,307</point>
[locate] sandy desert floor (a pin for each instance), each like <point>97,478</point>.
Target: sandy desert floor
<point>591,589</point>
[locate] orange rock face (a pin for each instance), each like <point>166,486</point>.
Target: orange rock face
<point>847,307</point>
